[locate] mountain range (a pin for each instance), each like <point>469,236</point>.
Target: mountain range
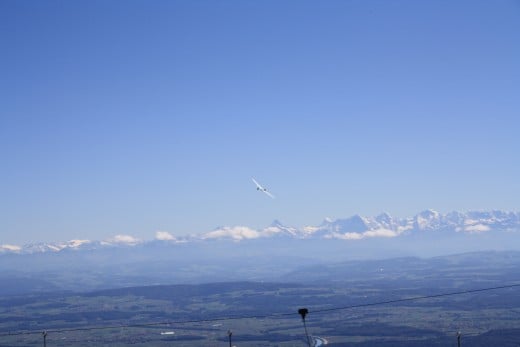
<point>353,228</point>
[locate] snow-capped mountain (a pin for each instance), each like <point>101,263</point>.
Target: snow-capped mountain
<point>353,228</point>
<point>72,245</point>
<point>58,246</point>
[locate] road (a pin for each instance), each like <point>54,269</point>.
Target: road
<point>319,341</point>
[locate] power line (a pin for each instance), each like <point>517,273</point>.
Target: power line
<point>272,315</point>
<point>417,298</point>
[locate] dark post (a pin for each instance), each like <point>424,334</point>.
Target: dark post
<point>303,312</point>
<point>458,338</point>
<point>44,339</point>
<point>229,333</point>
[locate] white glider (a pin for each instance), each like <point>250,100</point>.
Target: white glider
<point>262,189</point>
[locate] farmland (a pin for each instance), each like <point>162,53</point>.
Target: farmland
<point>354,304</point>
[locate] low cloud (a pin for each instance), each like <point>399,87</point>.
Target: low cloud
<point>10,248</point>
<point>125,239</point>
<point>366,234</point>
<point>77,243</point>
<point>236,233</point>
<point>164,236</point>
<point>477,228</point>
<point>473,226</point>
<point>346,236</point>
<point>381,233</point>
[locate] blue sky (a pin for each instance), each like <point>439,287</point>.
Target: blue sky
<point>128,117</point>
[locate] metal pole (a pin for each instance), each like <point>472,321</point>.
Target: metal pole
<point>44,339</point>
<point>458,338</point>
<point>229,335</point>
<point>303,312</point>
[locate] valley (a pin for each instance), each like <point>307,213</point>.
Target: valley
<point>352,303</point>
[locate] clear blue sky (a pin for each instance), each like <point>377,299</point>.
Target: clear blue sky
<point>128,117</point>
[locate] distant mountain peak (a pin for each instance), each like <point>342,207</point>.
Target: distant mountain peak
<point>384,216</point>
<point>355,227</point>
<point>429,213</point>
<point>276,223</point>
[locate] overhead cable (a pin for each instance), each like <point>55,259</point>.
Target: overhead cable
<point>272,315</point>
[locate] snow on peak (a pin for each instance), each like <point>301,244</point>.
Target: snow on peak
<point>352,228</point>
<point>355,223</point>
<point>276,223</point>
<point>277,228</point>
<point>427,220</point>
<point>384,218</point>
<point>428,215</point>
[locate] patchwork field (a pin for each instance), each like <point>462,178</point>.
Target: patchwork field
<point>391,306</point>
